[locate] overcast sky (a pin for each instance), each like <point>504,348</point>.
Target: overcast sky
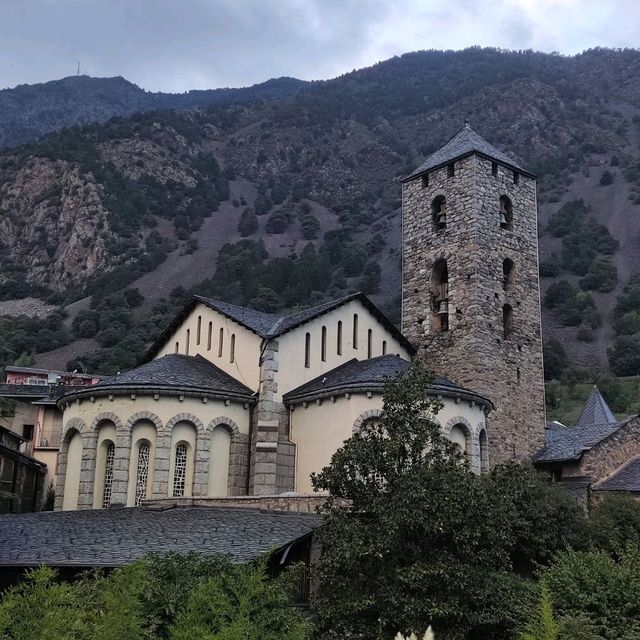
<point>176,45</point>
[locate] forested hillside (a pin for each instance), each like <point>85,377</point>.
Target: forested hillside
<point>285,201</point>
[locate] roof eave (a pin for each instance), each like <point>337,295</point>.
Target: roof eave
<point>514,167</point>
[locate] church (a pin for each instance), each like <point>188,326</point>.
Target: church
<point>230,401</point>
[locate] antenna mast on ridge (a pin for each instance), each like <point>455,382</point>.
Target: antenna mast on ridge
<point>78,71</point>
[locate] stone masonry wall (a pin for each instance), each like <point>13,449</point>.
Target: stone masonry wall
<point>273,454</point>
<point>473,352</point>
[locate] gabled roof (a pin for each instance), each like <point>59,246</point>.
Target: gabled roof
<point>115,537</point>
<point>173,372</point>
<point>563,444</point>
<point>371,375</point>
<point>464,143</point>
<point>596,422</point>
<point>625,478</point>
<point>268,325</point>
<point>596,410</point>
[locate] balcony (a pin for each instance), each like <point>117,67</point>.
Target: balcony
<point>50,438</point>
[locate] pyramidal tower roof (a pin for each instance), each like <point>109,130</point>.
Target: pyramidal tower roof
<point>464,143</point>
<point>596,410</point>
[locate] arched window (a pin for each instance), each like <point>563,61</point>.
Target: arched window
<point>440,296</point>
<point>461,438</point>
<point>355,331</point>
<point>210,331</point>
<point>339,339</point>
<point>369,343</point>
<point>177,347</point>
<point>484,452</point>
<point>439,213</point>
<point>108,475</point>
<point>186,349</point>
<point>199,330</point>
<point>508,274</point>
<point>220,342</point>
<point>323,344</point>
<point>384,347</point>
<point>142,472</point>
<point>507,321</point>
<point>506,213</point>
<point>180,470</point>
<point>219,461</point>
<point>232,348</point>
<point>307,350</point>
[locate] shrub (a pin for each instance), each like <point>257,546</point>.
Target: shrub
<point>624,355</point>
<point>248,223</point>
<point>550,268</point>
<point>614,524</point>
<point>569,218</point>
<point>555,360</point>
<point>606,178</point>
<point>602,276</point>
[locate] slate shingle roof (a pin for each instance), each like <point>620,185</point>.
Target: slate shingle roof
<point>24,390</point>
<point>596,422</point>
<point>465,142</point>
<point>114,537</point>
<point>596,410</point>
<point>268,325</point>
<point>369,375</point>
<point>626,478</point>
<point>174,372</point>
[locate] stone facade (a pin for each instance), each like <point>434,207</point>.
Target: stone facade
<point>475,350</point>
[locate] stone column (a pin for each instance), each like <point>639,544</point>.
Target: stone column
<point>121,460</point>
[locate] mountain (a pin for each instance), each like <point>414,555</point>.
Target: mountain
<point>29,111</point>
<point>283,200</point>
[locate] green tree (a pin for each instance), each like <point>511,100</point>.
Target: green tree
<point>542,625</point>
<point>624,355</point>
<point>248,223</point>
<point>422,542</point>
<point>602,276</point>
<point>237,604</point>
<point>614,524</point>
<point>555,360</point>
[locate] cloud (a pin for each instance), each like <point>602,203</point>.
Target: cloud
<point>174,45</point>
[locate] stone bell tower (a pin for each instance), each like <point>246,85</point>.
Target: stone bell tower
<point>471,296</point>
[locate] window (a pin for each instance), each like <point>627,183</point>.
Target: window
<point>369,343</point>
<point>460,437</point>
<point>210,331</point>
<point>507,321</point>
<point>506,213</point>
<point>108,475</point>
<point>220,342</point>
<point>440,297</point>
<point>339,339</point>
<point>180,470</point>
<point>508,274</point>
<point>177,347</point>
<point>355,331</point>
<point>494,169</point>
<point>323,345</point>
<point>484,452</point>
<point>232,352</point>
<point>384,347</point>
<point>199,329</point>
<point>425,180</point>
<point>142,472</point>
<point>439,213</point>
<point>186,349</point>
<point>307,350</point>
<point>516,177</point>
<point>451,169</point>
<point>518,374</point>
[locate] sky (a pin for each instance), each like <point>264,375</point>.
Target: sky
<point>177,45</point>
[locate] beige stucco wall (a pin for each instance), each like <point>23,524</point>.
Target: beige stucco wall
<point>319,430</point>
<point>245,367</point>
<point>72,477</point>
<point>50,458</point>
<point>291,356</point>
<point>165,408</point>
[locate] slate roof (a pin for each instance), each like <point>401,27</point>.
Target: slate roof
<point>626,478</point>
<point>115,537</point>
<point>464,143</point>
<point>24,390</point>
<point>269,325</point>
<point>596,422</point>
<point>596,410</point>
<point>173,372</point>
<point>370,375</point>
